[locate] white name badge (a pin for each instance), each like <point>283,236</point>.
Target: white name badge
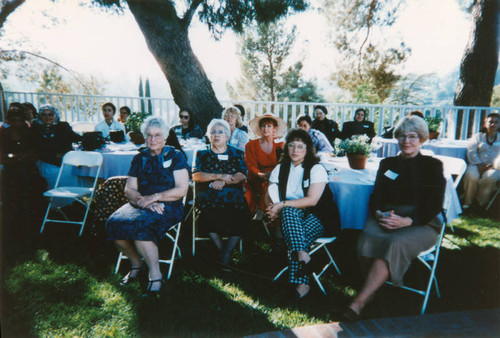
<point>167,164</point>
<point>366,126</point>
<point>496,144</point>
<point>223,157</point>
<point>306,184</point>
<point>391,174</point>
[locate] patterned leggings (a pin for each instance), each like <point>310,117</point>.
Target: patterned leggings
<point>300,229</point>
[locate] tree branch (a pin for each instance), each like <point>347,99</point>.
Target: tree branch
<point>6,8</point>
<point>368,26</point>
<point>188,16</point>
<point>72,73</point>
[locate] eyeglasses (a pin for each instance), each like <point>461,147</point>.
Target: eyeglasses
<point>47,115</point>
<point>411,138</point>
<point>297,146</point>
<point>219,132</point>
<point>229,115</point>
<point>184,117</point>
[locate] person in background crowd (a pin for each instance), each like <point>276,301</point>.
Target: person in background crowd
<point>219,173</point>
<point>321,143</point>
<point>388,133</point>
<point>261,156</point>
<point>187,128</point>
<point>158,179</point>
<point>238,138</point>
<point>124,114</point>
<point>21,184</point>
<point>323,124</point>
<point>405,208</point>
<point>242,111</point>
<point>359,126</point>
<point>481,177</point>
<point>30,111</point>
<point>109,124</point>
<point>300,226</point>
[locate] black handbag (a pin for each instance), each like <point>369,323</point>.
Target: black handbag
<point>92,140</point>
<point>117,136</point>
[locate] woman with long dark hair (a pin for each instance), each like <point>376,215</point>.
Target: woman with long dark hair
<point>296,185</point>
<point>187,128</point>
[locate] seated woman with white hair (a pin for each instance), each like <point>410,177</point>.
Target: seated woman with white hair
<point>405,207</point>
<point>158,179</point>
<point>219,173</point>
<point>237,138</point>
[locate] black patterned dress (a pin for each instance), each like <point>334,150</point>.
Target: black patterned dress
<point>154,174</point>
<point>225,211</point>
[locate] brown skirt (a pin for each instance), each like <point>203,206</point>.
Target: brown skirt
<point>397,247</point>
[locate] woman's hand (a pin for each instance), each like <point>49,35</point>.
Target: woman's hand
<point>390,221</point>
<point>229,179</point>
<point>145,201</point>
<point>264,176</point>
<point>218,184</point>
<point>273,210</point>
<point>156,207</point>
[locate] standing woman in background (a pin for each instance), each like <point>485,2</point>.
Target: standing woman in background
<point>238,138</point>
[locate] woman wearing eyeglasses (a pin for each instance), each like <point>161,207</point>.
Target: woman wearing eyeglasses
<point>187,128</point>
<point>292,197</point>
<point>219,172</point>
<point>53,139</point>
<point>238,138</point>
<point>406,209</point>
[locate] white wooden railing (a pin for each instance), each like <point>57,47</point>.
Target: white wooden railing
<point>74,107</point>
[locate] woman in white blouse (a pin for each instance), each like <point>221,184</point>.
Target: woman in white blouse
<point>293,190</point>
<point>239,138</point>
<point>483,151</point>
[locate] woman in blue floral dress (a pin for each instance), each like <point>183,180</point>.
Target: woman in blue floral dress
<point>157,181</point>
<point>219,172</point>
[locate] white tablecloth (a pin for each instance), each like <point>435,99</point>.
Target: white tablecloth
<point>352,189</point>
<point>452,148</point>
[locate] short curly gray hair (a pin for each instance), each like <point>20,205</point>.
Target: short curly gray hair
<point>155,122</point>
<point>412,124</point>
<point>221,123</point>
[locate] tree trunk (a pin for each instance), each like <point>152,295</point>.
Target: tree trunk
<point>167,38</point>
<point>6,8</point>
<point>480,60</point>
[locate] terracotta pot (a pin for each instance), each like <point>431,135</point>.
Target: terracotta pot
<point>433,135</point>
<point>136,138</point>
<point>356,161</point>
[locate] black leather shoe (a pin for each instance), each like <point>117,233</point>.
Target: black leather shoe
<point>127,279</point>
<point>153,293</point>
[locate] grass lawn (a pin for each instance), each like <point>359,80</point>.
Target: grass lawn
<point>63,285</point>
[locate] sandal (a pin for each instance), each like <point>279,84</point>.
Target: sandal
<point>127,279</point>
<point>153,293</point>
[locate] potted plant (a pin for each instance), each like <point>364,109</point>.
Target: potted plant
<point>357,149</point>
<point>133,125</point>
<point>434,124</point>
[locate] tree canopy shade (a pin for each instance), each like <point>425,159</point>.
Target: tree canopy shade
<point>165,25</point>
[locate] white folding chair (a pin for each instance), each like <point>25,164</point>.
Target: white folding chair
<point>173,235</point>
<point>318,244</point>
<point>81,127</point>
<point>74,193</point>
<point>196,214</point>
<point>453,166</point>
<point>429,258</point>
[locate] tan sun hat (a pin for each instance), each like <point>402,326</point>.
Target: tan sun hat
<point>254,124</point>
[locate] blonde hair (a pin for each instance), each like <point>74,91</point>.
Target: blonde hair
<point>412,124</point>
<point>235,111</point>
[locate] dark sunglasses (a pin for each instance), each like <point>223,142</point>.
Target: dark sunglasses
<point>184,117</point>
<point>47,115</point>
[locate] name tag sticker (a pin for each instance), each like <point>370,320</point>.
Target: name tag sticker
<point>496,144</point>
<point>223,157</point>
<point>366,126</point>
<point>306,184</point>
<point>167,164</point>
<point>391,174</point>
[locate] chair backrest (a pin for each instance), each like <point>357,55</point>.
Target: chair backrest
<point>453,166</point>
<point>82,126</point>
<point>83,158</point>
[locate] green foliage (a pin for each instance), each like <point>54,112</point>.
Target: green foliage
<point>495,99</point>
<point>357,145</point>
<point>433,122</point>
<point>296,89</point>
<point>135,121</point>
<point>366,70</point>
<point>65,300</point>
